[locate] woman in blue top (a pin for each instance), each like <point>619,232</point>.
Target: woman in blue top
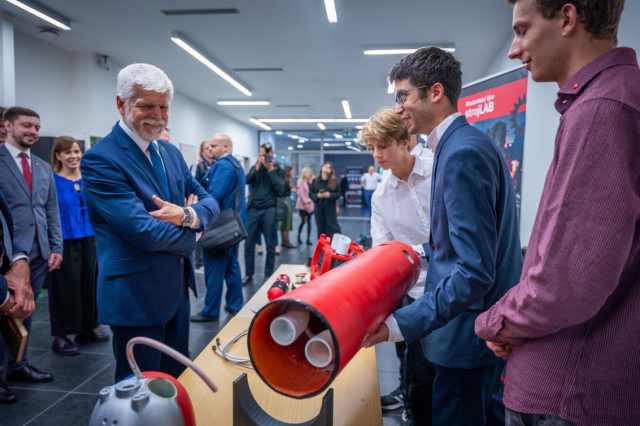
<point>72,292</point>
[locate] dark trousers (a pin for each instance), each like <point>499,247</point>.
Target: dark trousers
<point>174,334</point>
<point>327,219</point>
<point>72,295</point>
<point>261,221</point>
<point>198,255</point>
<point>367,199</point>
<point>462,396</point>
<point>39,268</point>
<point>420,375</point>
<point>219,267</point>
<point>514,418</point>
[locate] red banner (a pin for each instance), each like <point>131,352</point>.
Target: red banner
<point>496,102</point>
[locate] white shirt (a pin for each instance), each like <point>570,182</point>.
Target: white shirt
<point>400,212</point>
<point>144,146</point>
<point>371,181</point>
<point>15,153</point>
<point>395,335</point>
<point>434,137</point>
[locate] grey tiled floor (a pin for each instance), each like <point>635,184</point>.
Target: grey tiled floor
<point>70,398</point>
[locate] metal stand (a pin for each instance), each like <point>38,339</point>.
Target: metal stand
<point>247,412</point>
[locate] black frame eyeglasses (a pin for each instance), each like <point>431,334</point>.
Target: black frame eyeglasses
<point>400,94</point>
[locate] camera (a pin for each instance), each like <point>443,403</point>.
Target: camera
<point>268,158</point>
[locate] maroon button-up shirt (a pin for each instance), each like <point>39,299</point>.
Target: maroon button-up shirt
<point>574,318</point>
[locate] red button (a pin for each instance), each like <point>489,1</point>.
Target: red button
<point>575,86</point>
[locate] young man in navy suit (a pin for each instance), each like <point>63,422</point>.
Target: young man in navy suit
<point>474,248</point>
<point>136,188</point>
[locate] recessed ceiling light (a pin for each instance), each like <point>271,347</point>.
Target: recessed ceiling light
<point>337,136</point>
<point>347,110</point>
<point>177,38</point>
<point>347,143</point>
<point>293,136</point>
<point>290,148</point>
<point>258,123</point>
<point>359,127</point>
<point>322,127</point>
<point>44,13</point>
<point>300,146</point>
<point>239,103</point>
<point>354,148</point>
<point>279,132</point>
<point>330,5</point>
<point>314,120</point>
<point>391,88</point>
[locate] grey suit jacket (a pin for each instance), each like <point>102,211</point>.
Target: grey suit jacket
<point>40,207</point>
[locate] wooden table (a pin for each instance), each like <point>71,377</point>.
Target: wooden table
<point>356,391</point>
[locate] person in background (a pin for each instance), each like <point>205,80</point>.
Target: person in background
<point>324,192</point>
<point>165,135</point>
<point>72,292</point>
<point>16,297</point>
<point>3,132</point>
<point>225,176</point>
<point>369,182</point>
<point>344,187</point>
<point>474,242</point>
<point>199,171</point>
<point>286,225</point>
<point>571,327</point>
<point>400,211</point>
<point>29,188</point>
<point>304,203</point>
<point>267,183</point>
<point>144,243</point>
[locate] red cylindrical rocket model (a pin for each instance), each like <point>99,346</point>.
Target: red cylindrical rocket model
<point>350,301</point>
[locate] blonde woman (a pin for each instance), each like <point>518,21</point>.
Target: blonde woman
<point>305,203</point>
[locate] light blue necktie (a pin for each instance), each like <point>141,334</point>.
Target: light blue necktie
<point>159,169</point>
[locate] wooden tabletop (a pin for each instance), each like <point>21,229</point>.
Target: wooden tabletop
<point>356,391</point>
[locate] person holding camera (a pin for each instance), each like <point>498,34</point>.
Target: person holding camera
<point>324,192</point>
<point>267,184</point>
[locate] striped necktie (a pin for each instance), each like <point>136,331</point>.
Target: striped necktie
<point>159,169</point>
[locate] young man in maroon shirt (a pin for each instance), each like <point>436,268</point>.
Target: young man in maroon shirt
<point>571,328</point>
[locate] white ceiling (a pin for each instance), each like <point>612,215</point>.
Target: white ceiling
<point>323,62</point>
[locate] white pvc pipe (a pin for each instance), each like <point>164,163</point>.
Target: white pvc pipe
<point>286,328</point>
<point>334,241</point>
<point>342,246</point>
<point>319,349</point>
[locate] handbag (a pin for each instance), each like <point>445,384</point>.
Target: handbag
<point>282,209</point>
<point>228,230</point>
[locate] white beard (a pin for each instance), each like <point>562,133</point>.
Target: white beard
<point>138,127</point>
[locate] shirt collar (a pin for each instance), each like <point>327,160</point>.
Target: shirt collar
<point>142,144</point>
<point>224,155</point>
<point>419,168</point>
<point>434,137</point>
<point>15,152</point>
<point>417,150</point>
<point>577,84</point>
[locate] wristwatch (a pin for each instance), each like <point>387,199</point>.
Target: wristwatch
<point>187,219</point>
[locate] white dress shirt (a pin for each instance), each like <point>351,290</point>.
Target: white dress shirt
<point>371,181</point>
<point>400,212</point>
<point>144,146</point>
<point>395,335</point>
<point>15,153</point>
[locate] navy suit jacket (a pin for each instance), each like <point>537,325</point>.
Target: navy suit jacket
<point>475,249</point>
<point>142,262</point>
<point>6,262</point>
<point>222,185</point>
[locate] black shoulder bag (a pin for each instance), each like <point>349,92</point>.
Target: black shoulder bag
<point>228,230</point>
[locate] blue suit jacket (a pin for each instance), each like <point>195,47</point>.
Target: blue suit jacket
<point>222,185</point>
<point>6,262</point>
<point>142,262</point>
<point>475,249</point>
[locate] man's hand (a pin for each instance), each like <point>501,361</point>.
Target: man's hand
<point>10,303</point>
<point>18,280</point>
<point>260,162</point>
<point>168,212</point>
<point>193,199</point>
<point>500,350</point>
<point>381,335</point>
<point>54,261</point>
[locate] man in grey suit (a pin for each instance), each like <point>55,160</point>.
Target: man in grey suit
<point>28,185</point>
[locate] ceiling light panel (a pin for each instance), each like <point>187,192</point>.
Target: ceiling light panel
<point>322,126</point>
<point>391,88</point>
<point>258,123</point>
<point>43,12</point>
<point>347,110</point>
<point>241,103</point>
<point>330,5</point>
<point>178,39</point>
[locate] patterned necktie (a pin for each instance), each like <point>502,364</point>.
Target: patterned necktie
<point>159,169</point>
<point>26,170</point>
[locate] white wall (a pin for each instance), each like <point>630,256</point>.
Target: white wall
<point>73,94</point>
